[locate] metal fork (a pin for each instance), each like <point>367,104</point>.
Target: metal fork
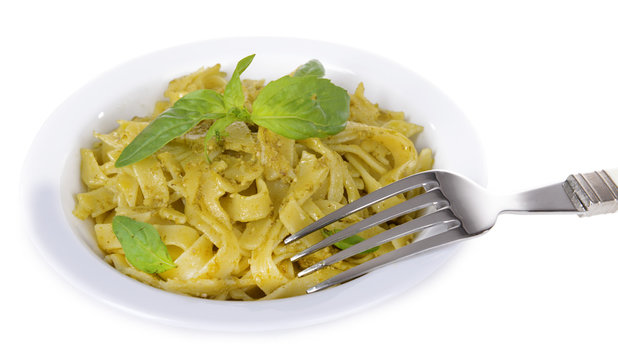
<point>455,208</point>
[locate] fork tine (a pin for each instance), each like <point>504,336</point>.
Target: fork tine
<point>440,217</point>
<point>426,178</point>
<point>429,198</point>
<point>414,248</point>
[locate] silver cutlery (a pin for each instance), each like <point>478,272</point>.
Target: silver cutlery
<point>456,209</point>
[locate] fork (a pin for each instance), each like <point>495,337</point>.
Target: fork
<point>455,208</point>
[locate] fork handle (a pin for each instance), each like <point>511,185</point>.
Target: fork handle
<point>585,194</point>
<point>593,193</point>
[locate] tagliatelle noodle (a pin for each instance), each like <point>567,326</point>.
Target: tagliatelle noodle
<point>224,221</point>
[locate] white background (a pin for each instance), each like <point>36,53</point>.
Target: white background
<point>539,81</point>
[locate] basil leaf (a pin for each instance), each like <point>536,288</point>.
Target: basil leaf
<point>312,67</point>
<point>348,242</point>
<point>302,107</point>
<point>187,112</point>
<point>233,95</point>
<point>218,128</point>
<point>142,245</point>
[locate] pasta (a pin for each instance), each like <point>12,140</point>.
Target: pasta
<point>224,220</point>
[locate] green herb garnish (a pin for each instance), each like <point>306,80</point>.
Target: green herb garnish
<point>233,95</point>
<point>302,107</point>
<point>312,67</point>
<point>297,107</point>
<point>187,112</point>
<point>142,245</point>
<point>348,242</point>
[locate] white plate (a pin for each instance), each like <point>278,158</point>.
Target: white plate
<point>51,176</point>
